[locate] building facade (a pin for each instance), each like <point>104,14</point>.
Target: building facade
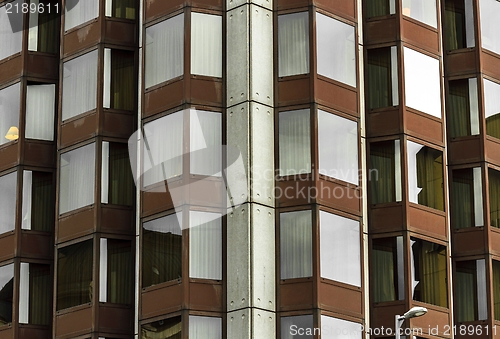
<point>249,168</point>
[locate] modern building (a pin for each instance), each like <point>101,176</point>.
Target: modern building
<point>241,169</point>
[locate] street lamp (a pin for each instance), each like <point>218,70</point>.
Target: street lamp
<point>412,313</point>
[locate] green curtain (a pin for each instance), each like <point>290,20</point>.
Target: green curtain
<point>120,272</point>
<point>163,329</point>
<point>42,204</point>
<point>40,300</point>
<point>382,172</point>
<point>462,199</point>
<point>121,185</point>
<point>124,9</point>
<point>496,288</point>
<point>494,188</point>
<point>430,272</point>
<point>122,79</point>
<point>465,291</point>
<point>74,275</point>
<point>379,78</point>
<point>454,25</point>
<point>375,8</point>
<point>430,178</point>
<point>48,30</point>
<point>493,125</point>
<point>459,108</point>
<point>384,270</point>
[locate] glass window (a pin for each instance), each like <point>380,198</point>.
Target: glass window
<point>374,8</point>
<point>333,328</point>
<point>382,74</point>
<point>425,176</point>
<point>293,44</point>
<point>494,188</point>
<point>336,49</point>
<point>163,148</point>
<point>205,327</point>
<point>206,44</point>
<point>385,172</point>
<point>119,85</point>
<point>38,201</point>
<point>78,12</point>
<point>295,142</point>
<point>77,177</point>
<point>296,244</point>
<point>8,184</point>
<point>205,142</point>
<point>43,34</point>
<point>10,107</point>
<point>117,185</point>
<point>462,108</point>
<point>164,51</point>
<point>35,294</point>
<point>422,82</point>
<point>168,329</point>
<point>496,288</point>
<point>428,272</point>
<point>205,245</point>
<point>338,147</point>
<point>387,269</point>
<point>421,10</point>
<point>162,250</point>
<point>470,291</point>
<point>116,271</point>
<point>490,25</point>
<point>6,293</point>
<point>40,112</point>
<point>458,24</point>
<point>79,85</point>
<point>74,275</point>
<point>467,198</point>
<point>340,258</point>
<point>124,9</point>
<point>11,30</point>
<point>492,108</point>
<point>300,326</point>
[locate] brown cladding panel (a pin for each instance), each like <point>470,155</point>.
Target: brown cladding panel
<point>33,333</point>
<point>382,314</point>
<point>384,123</point>
<point>469,242</point>
<point>118,125</point>
<point>42,65</point>
<point>7,246</point>
<point>115,319</point>
<point>74,323</point>
<point>494,244</point>
<point>285,4</point>
<point>7,332</point>
<point>116,220</point>
<point>206,192</point>
<point>386,218</point>
<point>459,62</point>
<point>162,300</point>
<point>336,195</point>
<point>340,299</point>
<point>159,199</point>
<point>205,297</point>
<point>37,246</point>
<point>163,98</point>
<point>436,319</point>
<point>215,4</point>
<point>381,31</point>
<point>424,126</point>
<point>296,296</point>
<point>120,32</point>
<point>419,35</point>
<point>10,69</point>
<point>207,92</point>
<point>339,97</point>
<point>75,225</point>
<point>82,38</point>
<point>155,8</point>
<point>346,8</point>
<point>9,155</point>
<point>294,91</point>
<point>78,130</point>
<point>490,62</point>
<point>464,150</point>
<point>426,221</point>
<point>39,154</point>
<point>293,192</point>
<point>492,150</point>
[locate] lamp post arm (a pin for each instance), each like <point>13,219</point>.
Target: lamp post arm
<point>398,321</point>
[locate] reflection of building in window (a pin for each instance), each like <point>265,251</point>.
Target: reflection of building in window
<point>6,293</point>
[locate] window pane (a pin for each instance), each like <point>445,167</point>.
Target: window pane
<point>467,198</point>
<point>293,44</point>
<point>163,329</point>
<point>119,88</point>
<point>164,51</point>
<point>124,9</point>
<point>205,245</point>
<point>8,184</point>
<point>333,328</point>
<point>336,49</point>
<point>428,272</point>
<point>206,44</point>
<point>40,112</point>
<point>462,108</point>
<point>11,30</point>
<point>43,34</point>
<point>6,293</point>
<point>385,172</point>
<point>296,244</point>
<point>9,119</point>
<point>35,294</point>
<point>291,326</point>
<point>163,148</point>
<point>38,201</point>
<point>422,82</point>
<point>338,147</point>
<point>116,271</point>
<point>387,269</point>
<point>74,275</point>
<point>494,187</point>
<point>382,76</point>
<point>470,290</point>
<point>490,25</point>
<point>340,258</point>
<point>492,108</point>
<point>458,24</point>
<point>78,12</point>
<point>496,288</point>
<point>79,85</point>
<point>294,142</point>
<point>421,10</point>
<point>162,250</point>
<point>374,8</point>
<point>117,184</point>
<point>425,176</point>
<point>77,177</point>
<point>205,327</point>
<point>205,142</point>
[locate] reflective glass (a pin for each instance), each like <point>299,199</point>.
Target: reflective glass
<point>333,328</point>
<point>35,294</point>
<point>205,142</point>
<point>38,201</point>
<point>385,172</point>
<point>300,326</point>
<point>470,291</point>
<point>8,184</point>
<point>40,112</point>
<point>496,289</point>
<point>205,327</point>
<point>163,329</point>
<point>296,244</point>
<point>490,25</point>
<point>206,44</point>
<point>462,108</point>
<point>382,77</point>
<point>11,29</point>
<point>458,24</point>
<point>78,12</point>
<point>492,107</point>
<point>293,44</point>
<point>205,245</point>
<point>43,34</point>
<point>6,293</point>
<point>9,117</point>
<point>494,190</point>
<point>295,142</point>
<point>387,270</point>
<point>466,198</point>
<point>116,271</point>
<point>374,8</point>
<point>421,10</point>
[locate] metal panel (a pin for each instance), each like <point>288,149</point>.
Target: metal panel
<point>239,325</point>
<point>264,324</point>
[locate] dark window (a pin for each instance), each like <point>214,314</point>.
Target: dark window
<point>117,182</point>
<point>494,183</point>
<point>119,93</point>
<point>458,24</point>
<point>375,8</point>
<point>382,77</point>
<point>462,108</point>
<point>387,269</point>
<point>496,288</point>
<point>466,198</point>
<point>385,172</point>
<point>116,267</point>
<point>165,329</point>
<point>6,293</point>
<point>470,290</point>
<point>124,9</point>
<point>35,294</point>
<point>43,35</point>
<point>38,201</point>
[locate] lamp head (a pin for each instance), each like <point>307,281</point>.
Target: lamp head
<point>12,134</point>
<point>415,312</point>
